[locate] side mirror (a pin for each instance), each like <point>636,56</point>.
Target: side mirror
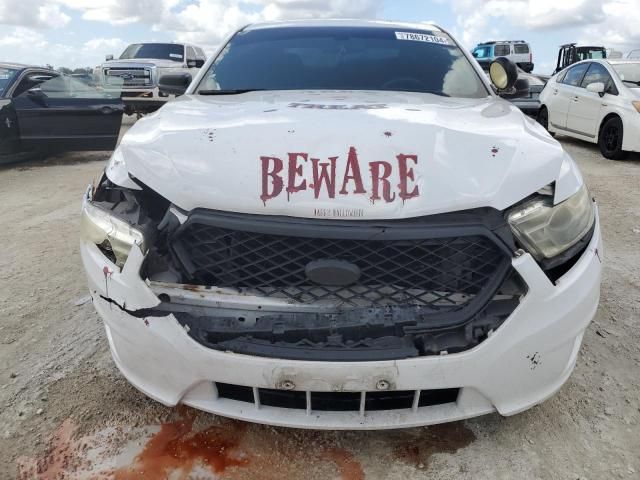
<point>198,63</point>
<point>596,87</point>
<point>174,84</point>
<point>109,57</point>
<point>503,74</point>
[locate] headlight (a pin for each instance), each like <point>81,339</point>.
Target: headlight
<point>113,236</point>
<point>546,230</point>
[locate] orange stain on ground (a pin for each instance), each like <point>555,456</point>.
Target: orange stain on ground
<point>176,448</point>
<point>348,467</point>
<point>231,450</point>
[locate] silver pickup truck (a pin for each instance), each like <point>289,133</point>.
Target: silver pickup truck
<point>137,70</point>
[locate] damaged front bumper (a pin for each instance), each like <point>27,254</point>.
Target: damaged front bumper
<point>522,363</point>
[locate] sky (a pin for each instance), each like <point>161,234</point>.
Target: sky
<point>79,33</point>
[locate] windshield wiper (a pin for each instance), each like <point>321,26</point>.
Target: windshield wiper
<point>433,92</point>
<point>229,92</point>
<point>632,81</point>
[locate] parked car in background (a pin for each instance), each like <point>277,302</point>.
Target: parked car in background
<point>597,101</point>
<point>518,51</point>
<point>341,225</point>
<point>529,103</point>
<point>634,55</point>
<point>570,53</point>
<point>135,73</point>
<point>42,110</point>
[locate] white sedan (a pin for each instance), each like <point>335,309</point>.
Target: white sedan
<point>340,225</point>
<point>597,101</point>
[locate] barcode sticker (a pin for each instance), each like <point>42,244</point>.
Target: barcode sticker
<point>421,37</point>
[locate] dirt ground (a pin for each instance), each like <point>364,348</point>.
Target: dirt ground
<point>66,412</point>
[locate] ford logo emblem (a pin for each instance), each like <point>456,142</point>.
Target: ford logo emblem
<point>337,273</point>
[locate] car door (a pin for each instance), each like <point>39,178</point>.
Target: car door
<point>562,93</point>
<point>9,138</point>
<point>58,113</point>
<point>585,106</point>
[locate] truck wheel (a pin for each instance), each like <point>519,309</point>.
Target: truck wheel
<point>543,119</point>
<point>610,139</point>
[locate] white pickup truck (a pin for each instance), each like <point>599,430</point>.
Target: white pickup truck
<point>138,69</point>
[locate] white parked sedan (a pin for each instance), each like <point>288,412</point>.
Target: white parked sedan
<point>340,225</point>
<point>597,101</point>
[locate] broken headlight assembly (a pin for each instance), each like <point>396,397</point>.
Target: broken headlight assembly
<point>113,236</point>
<point>546,230</point>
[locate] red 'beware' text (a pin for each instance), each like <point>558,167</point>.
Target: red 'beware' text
<point>303,172</point>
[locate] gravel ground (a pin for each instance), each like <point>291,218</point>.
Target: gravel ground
<point>66,412</point>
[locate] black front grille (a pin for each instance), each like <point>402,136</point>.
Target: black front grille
<point>431,262</point>
<point>338,401</point>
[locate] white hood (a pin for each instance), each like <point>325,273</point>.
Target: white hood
<point>426,154</point>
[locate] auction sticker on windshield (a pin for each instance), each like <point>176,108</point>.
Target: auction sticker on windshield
<point>421,37</point>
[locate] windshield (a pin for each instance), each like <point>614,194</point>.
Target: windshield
<point>628,73</point>
<point>591,54</point>
<point>165,51</point>
<point>343,58</point>
<point>482,52</point>
<point>6,78</point>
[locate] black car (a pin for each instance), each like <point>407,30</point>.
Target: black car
<point>529,103</point>
<point>42,110</point>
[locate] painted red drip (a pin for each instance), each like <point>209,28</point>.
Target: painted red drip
<point>295,170</point>
<point>352,173</point>
<point>272,173</point>
<point>380,173</point>
<point>324,173</point>
<point>407,174</point>
<point>321,177</point>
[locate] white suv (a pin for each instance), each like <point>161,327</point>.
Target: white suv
<point>340,225</point>
<point>136,72</point>
<point>518,51</point>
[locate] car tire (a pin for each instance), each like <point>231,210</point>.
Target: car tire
<point>610,139</point>
<point>543,119</point>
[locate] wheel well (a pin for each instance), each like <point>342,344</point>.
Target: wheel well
<point>604,120</point>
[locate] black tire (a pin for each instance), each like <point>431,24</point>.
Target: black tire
<point>543,119</point>
<point>610,139</point>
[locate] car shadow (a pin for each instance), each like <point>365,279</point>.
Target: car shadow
<point>39,160</point>
<point>592,147</point>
